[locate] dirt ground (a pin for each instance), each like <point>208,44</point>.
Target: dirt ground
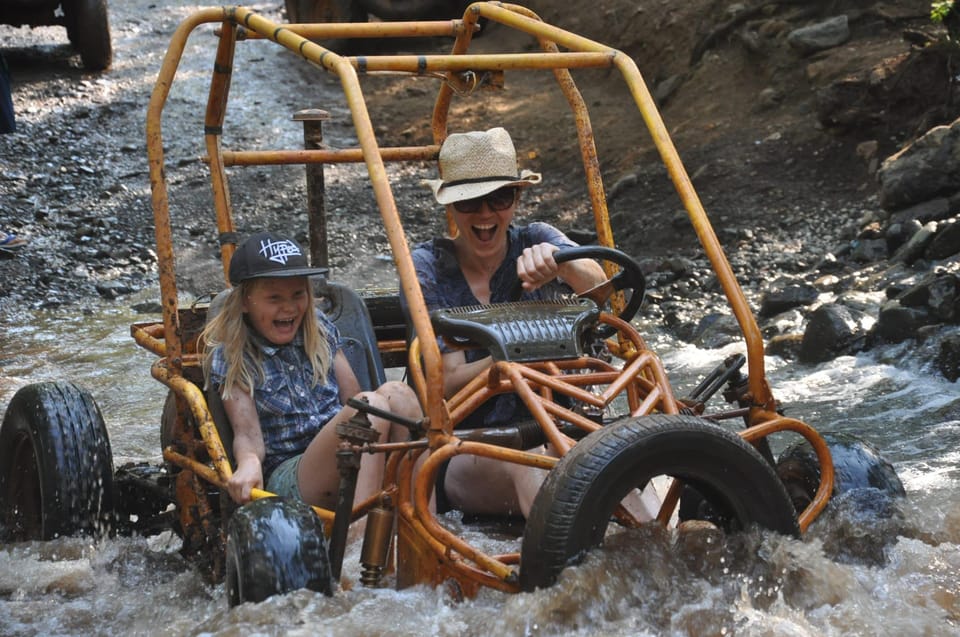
<point>746,116</point>
<point>781,147</point>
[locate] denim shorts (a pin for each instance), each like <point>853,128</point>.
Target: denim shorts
<point>283,480</point>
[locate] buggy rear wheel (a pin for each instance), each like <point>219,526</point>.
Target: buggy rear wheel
<point>573,508</point>
<point>275,546</point>
<point>56,467</point>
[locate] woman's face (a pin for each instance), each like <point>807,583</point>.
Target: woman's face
<point>484,228</point>
<point>275,307</point>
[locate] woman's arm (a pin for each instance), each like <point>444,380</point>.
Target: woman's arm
<point>248,447</point>
<point>457,372</point>
<point>536,267</point>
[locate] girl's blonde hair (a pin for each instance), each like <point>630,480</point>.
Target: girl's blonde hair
<point>230,330</point>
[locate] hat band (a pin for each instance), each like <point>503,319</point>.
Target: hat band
<point>477,180</point>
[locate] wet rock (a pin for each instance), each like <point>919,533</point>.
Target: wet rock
<point>820,36</point>
<point>937,292</point>
<point>869,250</point>
<point>929,210</point>
<point>788,297</point>
<point>716,330</point>
<point>113,289</point>
<point>786,346</point>
<point>897,323</point>
<point>914,248</point>
<point>899,233</point>
<point>946,242</point>
<point>832,330</point>
<point>927,168</point>
<point>948,358</point>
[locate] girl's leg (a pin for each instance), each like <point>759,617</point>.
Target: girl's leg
<point>318,475</point>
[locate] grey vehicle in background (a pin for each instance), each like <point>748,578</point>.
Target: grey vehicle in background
<point>86,21</point>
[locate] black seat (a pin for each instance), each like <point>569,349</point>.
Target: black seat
<point>349,313</point>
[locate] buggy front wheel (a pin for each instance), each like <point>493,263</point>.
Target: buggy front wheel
<point>275,546</point>
<point>571,512</point>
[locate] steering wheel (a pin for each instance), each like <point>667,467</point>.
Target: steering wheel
<point>630,277</point>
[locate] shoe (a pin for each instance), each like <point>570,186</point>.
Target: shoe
<point>10,243</point>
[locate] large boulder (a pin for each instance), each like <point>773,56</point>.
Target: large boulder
<point>832,330</point>
<point>926,169</point>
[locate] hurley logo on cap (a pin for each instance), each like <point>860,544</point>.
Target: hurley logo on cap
<point>279,251</point>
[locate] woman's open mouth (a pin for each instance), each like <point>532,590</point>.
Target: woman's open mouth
<point>484,232</point>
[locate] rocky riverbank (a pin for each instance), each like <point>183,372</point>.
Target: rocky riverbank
<point>838,215</point>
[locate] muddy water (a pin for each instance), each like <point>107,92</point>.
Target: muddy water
<point>842,578</point>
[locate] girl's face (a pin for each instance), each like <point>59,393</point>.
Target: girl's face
<point>275,307</point>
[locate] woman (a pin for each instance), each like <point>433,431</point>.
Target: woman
<point>480,186</point>
<point>277,364</point>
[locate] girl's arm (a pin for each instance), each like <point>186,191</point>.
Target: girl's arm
<point>349,385</point>
<point>248,448</point>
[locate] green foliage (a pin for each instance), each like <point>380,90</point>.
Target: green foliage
<point>947,13</point>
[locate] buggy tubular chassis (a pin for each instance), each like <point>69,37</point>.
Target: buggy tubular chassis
<point>426,551</point>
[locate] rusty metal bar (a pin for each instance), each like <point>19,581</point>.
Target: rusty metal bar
<point>378,177</point>
<point>448,543</point>
<point>158,186</point>
<point>324,156</point>
<point>397,29</point>
<point>425,64</point>
<point>313,119</point>
<point>212,134</point>
<point>820,447</point>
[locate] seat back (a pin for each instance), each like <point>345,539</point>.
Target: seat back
<point>346,309</point>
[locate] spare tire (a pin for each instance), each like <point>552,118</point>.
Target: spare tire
<point>573,508</point>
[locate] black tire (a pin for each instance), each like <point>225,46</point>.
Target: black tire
<point>88,29</point>
<point>856,465</point>
<point>573,508</point>
<point>56,467</point>
<point>275,546</point>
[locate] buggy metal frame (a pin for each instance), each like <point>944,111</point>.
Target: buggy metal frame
<point>426,551</point>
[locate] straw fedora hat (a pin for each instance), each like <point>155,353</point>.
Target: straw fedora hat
<point>477,163</point>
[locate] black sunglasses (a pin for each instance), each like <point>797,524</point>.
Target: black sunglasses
<point>499,199</point>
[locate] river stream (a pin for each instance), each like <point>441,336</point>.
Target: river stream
<point>841,578</point>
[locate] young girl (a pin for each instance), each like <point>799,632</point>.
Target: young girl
<point>278,367</point>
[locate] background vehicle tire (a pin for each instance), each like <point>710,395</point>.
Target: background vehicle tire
<point>56,467</point>
<point>573,508</point>
<point>88,29</point>
<point>275,546</point>
<point>309,11</point>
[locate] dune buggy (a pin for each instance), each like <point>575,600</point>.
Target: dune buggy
<point>568,361</point>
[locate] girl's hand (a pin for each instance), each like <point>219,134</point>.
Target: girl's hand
<point>248,476</point>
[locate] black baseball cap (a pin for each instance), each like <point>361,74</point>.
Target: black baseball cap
<point>268,254</point>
